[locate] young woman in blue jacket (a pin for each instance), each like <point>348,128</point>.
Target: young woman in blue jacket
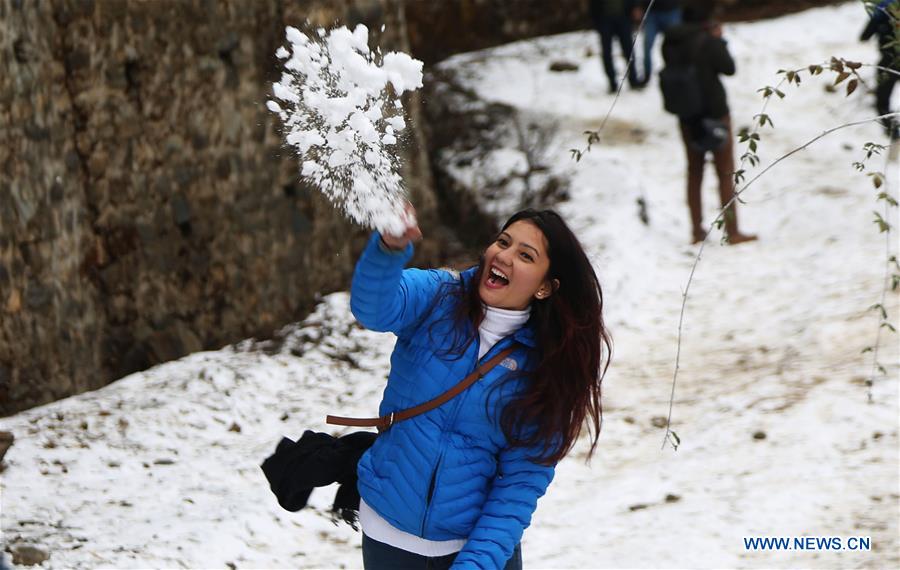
<point>457,486</point>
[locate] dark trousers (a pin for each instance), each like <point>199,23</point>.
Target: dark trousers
<point>723,158</point>
<point>610,28</point>
<point>381,556</point>
<point>883,92</point>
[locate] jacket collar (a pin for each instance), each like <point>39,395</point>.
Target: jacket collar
<point>525,334</point>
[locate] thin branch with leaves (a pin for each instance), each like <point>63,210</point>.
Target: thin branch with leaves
<point>840,67</point>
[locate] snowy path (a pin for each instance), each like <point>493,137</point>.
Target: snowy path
<point>778,440</point>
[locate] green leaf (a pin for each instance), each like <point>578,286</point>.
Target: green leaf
<point>851,86</point>
<point>889,326</point>
<point>895,282</point>
<point>883,226</point>
<point>872,148</point>
<point>753,145</point>
<point>779,93</point>
<point>881,369</point>
<point>880,308</point>
<point>815,69</point>
<point>887,198</point>
<point>866,349</point>
<point>877,179</point>
<point>836,65</point>
<point>841,76</point>
<point>852,64</point>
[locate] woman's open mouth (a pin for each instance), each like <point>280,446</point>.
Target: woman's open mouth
<point>496,279</point>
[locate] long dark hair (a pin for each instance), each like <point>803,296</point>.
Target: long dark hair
<point>573,347</point>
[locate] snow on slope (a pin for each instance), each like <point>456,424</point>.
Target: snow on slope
<point>160,469</point>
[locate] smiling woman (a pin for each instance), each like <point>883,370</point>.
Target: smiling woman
<point>457,486</point>
<point>518,264</point>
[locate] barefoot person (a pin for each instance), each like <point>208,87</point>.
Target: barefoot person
<point>698,40</point>
<point>457,486</point>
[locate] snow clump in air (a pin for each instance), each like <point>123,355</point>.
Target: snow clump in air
<point>339,104</point>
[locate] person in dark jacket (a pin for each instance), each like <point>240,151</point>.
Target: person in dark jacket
<point>883,22</point>
<point>613,20</point>
<point>457,486</point>
<point>699,40</point>
<point>663,15</point>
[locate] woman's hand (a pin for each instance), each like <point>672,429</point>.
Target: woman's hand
<point>412,233</point>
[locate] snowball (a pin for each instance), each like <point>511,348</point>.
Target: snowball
<point>331,99</point>
<point>284,93</point>
<point>295,36</point>
<point>303,140</point>
<point>404,72</point>
<point>397,123</point>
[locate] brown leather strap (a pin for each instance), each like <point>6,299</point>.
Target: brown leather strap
<point>385,422</point>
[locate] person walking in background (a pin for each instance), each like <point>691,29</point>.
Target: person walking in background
<point>663,15</point>
<point>883,22</point>
<point>613,20</point>
<point>696,47</point>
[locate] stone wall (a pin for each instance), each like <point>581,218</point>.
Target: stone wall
<point>147,209</point>
<point>439,29</point>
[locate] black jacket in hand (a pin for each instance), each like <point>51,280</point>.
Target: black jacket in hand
<point>318,460</point>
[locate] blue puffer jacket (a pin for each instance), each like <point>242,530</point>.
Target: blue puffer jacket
<point>449,473</point>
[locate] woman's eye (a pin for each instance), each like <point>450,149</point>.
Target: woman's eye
<point>528,257</point>
<point>502,242</point>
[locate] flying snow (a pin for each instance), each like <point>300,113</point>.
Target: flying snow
<point>339,102</point>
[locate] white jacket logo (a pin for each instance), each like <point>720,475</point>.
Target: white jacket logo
<point>509,363</point>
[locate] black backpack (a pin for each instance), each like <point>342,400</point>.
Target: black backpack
<point>679,80</point>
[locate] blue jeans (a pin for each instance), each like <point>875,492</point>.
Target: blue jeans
<point>381,556</point>
<point>657,21</point>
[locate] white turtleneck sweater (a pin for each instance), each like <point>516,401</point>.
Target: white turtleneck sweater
<point>497,323</point>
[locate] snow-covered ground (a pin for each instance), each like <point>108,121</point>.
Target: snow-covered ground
<point>778,438</point>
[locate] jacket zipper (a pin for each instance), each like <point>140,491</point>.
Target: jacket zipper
<point>430,495</point>
<point>434,472</point>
